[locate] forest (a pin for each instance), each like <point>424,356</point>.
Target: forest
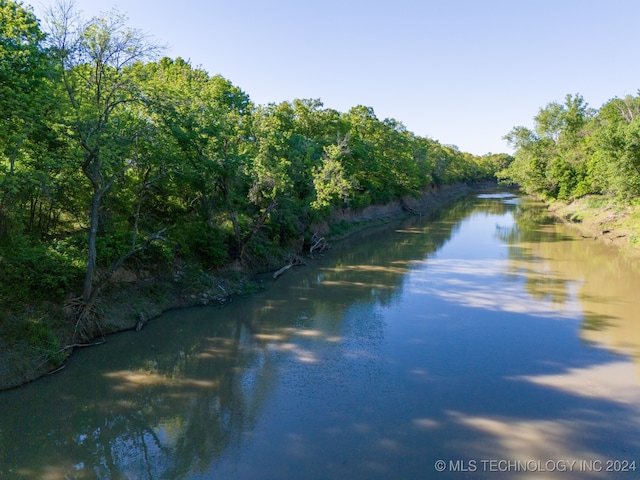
<point>575,150</point>
<point>112,155</point>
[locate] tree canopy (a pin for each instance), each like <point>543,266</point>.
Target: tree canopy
<point>575,150</point>
<point>110,153</point>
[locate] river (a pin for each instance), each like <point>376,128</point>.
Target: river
<point>487,342</point>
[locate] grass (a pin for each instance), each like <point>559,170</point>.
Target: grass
<point>32,344</point>
<point>601,216</point>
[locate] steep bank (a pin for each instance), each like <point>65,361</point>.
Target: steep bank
<point>601,218</point>
<point>343,222</point>
<point>133,297</point>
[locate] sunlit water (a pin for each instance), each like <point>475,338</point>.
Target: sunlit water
<point>490,338</point>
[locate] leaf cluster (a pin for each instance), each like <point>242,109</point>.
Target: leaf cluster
<point>104,148</point>
<point>575,150</point>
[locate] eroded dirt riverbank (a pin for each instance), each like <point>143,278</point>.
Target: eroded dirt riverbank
<point>135,298</point>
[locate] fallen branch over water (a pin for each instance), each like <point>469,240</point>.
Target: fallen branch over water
<point>294,261</point>
<point>319,244</point>
<point>80,345</point>
<point>68,347</point>
<point>56,370</point>
<point>142,319</point>
<point>282,270</point>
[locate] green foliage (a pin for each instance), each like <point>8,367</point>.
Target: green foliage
<point>102,146</point>
<point>576,151</point>
<point>616,162</point>
<point>35,272</point>
<point>201,243</point>
<point>331,186</point>
<point>341,227</point>
<point>35,333</point>
<point>22,76</point>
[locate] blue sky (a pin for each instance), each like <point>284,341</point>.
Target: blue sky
<point>462,72</point>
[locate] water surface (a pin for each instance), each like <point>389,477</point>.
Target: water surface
<point>490,333</point>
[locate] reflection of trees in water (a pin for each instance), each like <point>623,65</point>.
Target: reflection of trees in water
<point>558,265</point>
<point>597,321</point>
<point>534,226</point>
<point>236,368</point>
<point>531,226</point>
<point>373,265</point>
<point>172,411</point>
<point>220,385</point>
<point>155,415</point>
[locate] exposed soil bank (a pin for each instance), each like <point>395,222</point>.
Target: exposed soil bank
<point>602,219</point>
<point>134,298</point>
<point>344,222</point>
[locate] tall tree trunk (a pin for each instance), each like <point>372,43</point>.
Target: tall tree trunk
<point>256,226</point>
<point>87,292</point>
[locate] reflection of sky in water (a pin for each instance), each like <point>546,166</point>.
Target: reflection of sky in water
<point>476,238</point>
<point>455,339</point>
<point>473,269</point>
<point>496,195</point>
<point>458,282</point>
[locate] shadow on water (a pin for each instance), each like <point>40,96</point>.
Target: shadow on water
<point>597,321</point>
<point>449,340</point>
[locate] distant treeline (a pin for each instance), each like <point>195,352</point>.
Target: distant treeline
<point>110,154</point>
<point>575,150</point>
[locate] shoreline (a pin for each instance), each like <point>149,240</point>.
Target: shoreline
<point>130,301</point>
<point>602,219</point>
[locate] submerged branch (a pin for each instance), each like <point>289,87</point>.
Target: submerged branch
<point>294,261</point>
<point>319,244</point>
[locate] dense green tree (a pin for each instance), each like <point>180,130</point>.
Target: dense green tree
<point>574,150</point>
<point>22,74</point>
<point>332,187</point>
<point>102,114</point>
<point>615,164</point>
<point>552,161</point>
<point>26,102</point>
<point>104,150</point>
<point>206,122</point>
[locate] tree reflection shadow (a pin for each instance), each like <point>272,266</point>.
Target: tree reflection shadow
<point>319,377</point>
<point>604,282</point>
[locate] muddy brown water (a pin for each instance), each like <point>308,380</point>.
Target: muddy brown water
<point>488,342</point>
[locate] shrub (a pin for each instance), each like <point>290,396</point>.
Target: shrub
<point>34,273</point>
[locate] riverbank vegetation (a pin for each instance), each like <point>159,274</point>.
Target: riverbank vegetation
<point>585,163</point>
<point>119,167</point>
